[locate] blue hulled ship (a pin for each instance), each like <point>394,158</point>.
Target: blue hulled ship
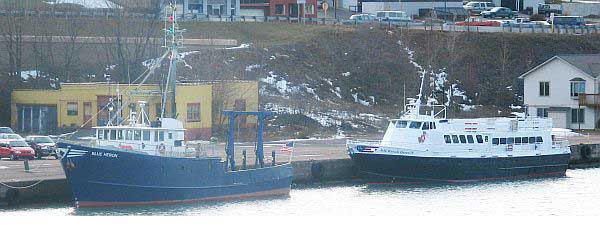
<point>135,161</point>
<point>429,147</point>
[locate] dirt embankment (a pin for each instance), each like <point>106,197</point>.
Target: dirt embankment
<point>305,67</point>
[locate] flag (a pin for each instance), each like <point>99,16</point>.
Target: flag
<point>288,147</point>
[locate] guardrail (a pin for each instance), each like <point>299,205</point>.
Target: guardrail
<point>512,28</point>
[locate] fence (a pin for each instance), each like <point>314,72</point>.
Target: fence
<point>512,28</point>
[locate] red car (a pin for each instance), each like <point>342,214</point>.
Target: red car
<point>15,149</point>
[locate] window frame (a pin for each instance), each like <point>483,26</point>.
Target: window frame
<point>577,115</point>
<point>72,112</point>
<point>573,88</point>
<point>191,114</point>
<point>542,112</point>
<point>282,9</point>
<point>447,139</point>
<point>544,88</point>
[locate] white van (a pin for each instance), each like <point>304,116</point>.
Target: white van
<point>478,7</point>
<point>394,16</point>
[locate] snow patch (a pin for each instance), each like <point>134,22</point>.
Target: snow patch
<point>90,4</point>
<point>242,46</point>
<point>29,74</point>
<point>252,67</point>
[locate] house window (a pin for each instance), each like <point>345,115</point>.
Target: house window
<point>279,9</point>
<point>542,112</point>
<point>309,9</point>
<point>544,88</point>
<point>72,108</point>
<point>577,116</point>
<point>577,87</point>
<point>193,112</point>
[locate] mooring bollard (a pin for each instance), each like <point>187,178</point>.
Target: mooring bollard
<point>26,164</point>
<point>273,156</point>
<point>244,159</point>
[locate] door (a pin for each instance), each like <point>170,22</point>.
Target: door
<point>87,114</point>
<point>293,10</point>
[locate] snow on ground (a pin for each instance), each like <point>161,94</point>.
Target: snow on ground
<point>331,118</point>
<point>336,91</point>
<point>29,74</point>
<point>90,4</point>
<point>360,101</point>
<point>562,132</point>
<point>242,46</point>
<point>252,67</point>
<point>346,74</point>
<point>284,87</point>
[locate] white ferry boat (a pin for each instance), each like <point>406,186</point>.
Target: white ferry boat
<point>430,147</point>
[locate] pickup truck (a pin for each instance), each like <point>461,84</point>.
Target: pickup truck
<point>546,9</point>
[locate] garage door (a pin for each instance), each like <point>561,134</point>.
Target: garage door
<point>252,12</point>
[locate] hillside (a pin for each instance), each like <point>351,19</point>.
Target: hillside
<point>329,74</point>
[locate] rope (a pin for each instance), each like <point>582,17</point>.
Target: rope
<point>24,187</point>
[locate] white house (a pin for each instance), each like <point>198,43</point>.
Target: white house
<point>565,88</point>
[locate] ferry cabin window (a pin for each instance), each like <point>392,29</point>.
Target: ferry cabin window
<point>120,134</point>
<point>502,141</point>
<point>510,140</point>
<point>401,124</point>
<point>426,126</point>
<point>470,139</point>
<point>128,135</point>
<point>170,135</point>
<point>479,139</point>
<point>447,139</point>
<point>525,140</point>
<point>113,135</point>
<point>531,140</point>
<point>106,134</point>
<point>100,134</point>
<point>495,141</point>
<point>432,126</point>
<point>463,139</point>
<point>539,140</point>
<point>137,135</point>
<point>161,136</point>
<point>146,135</point>
<point>518,140</point>
<point>415,125</point>
<point>455,139</point>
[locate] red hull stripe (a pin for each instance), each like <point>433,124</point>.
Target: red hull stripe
<point>276,192</point>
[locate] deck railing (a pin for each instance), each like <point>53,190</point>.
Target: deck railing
<point>589,99</point>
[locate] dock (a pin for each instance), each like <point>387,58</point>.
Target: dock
<point>313,161</point>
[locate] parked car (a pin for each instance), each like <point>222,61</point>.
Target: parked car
<point>567,20</point>
<point>12,136</point>
<point>362,18</point>
<point>496,12</point>
<point>42,145</point>
<point>478,7</point>
<point>475,21</point>
<point>15,149</point>
<point>519,21</point>
<point>6,130</point>
<point>393,16</point>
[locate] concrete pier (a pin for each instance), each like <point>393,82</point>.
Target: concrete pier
<point>313,161</point>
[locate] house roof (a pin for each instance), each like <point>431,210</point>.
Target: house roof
<point>587,63</point>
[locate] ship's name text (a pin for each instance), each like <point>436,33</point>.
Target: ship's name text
<point>105,154</point>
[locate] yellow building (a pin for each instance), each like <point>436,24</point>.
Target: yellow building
<point>85,105</point>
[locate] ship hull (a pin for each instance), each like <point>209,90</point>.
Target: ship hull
<point>109,177</point>
<point>401,168</point>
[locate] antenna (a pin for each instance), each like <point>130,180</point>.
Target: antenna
<point>418,102</point>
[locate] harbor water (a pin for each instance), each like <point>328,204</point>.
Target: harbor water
<point>575,194</point>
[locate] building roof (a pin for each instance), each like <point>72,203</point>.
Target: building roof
<point>587,63</point>
<point>451,11</point>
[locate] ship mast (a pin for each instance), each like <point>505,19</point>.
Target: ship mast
<point>172,42</point>
<point>417,105</point>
